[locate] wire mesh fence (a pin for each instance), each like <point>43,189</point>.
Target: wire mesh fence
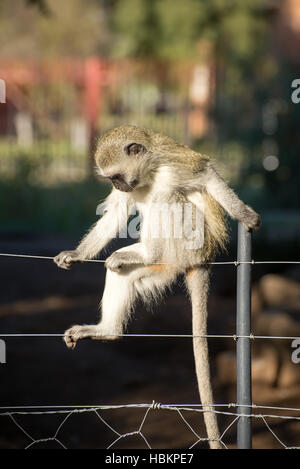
<point>115,435</point>
<point>237,413</point>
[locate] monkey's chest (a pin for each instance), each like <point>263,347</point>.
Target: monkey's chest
<point>173,219</point>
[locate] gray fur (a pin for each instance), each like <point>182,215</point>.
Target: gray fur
<point>158,170</point>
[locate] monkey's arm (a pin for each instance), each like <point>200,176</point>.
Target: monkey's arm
<point>222,193</point>
<point>115,215</point>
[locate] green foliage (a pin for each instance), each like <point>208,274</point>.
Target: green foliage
<point>172,28</point>
<point>55,28</point>
<point>167,29</point>
<point>249,77</point>
<point>33,208</point>
<point>33,200</point>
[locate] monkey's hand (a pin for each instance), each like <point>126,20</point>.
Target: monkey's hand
<point>66,258</point>
<point>250,219</point>
<point>119,260</point>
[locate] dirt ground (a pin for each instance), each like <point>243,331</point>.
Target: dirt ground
<point>37,297</point>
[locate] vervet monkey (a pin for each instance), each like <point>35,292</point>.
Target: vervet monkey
<point>148,169</point>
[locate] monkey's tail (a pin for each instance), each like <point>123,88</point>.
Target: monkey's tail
<point>197,281</point>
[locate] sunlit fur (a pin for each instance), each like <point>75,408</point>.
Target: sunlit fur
<point>171,166</point>
<point>161,172</point>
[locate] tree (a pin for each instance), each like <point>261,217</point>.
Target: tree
<point>39,29</point>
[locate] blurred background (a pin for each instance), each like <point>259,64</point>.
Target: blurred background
<point>215,75</point>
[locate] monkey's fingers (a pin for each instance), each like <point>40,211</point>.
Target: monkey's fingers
<point>252,221</point>
<point>69,341</point>
<point>116,269</point>
<point>114,265</point>
<point>65,259</point>
<point>257,224</point>
<point>254,225</point>
<point>71,336</point>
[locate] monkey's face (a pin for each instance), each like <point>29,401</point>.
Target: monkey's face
<point>122,155</point>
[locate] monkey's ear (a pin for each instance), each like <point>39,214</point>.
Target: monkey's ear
<point>135,149</point>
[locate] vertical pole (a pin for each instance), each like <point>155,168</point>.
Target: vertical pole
<point>243,346</point>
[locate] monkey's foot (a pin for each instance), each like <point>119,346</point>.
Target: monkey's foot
<point>87,332</point>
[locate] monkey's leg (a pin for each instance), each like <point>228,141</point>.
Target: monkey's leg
<point>120,292</point>
<point>197,280</point>
<point>115,305</point>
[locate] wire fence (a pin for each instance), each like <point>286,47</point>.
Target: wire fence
<point>245,411</point>
<point>98,410</point>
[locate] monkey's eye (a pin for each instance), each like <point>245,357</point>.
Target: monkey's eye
<point>134,149</point>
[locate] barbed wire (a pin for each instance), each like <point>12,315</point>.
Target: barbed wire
<point>154,405</point>
<point>220,336</point>
<point>13,411</point>
<point>67,411</point>
<point>102,261</point>
<point>158,336</point>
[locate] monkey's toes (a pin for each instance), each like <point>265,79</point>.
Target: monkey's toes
<point>76,333</point>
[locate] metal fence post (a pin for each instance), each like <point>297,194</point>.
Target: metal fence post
<point>243,345</point>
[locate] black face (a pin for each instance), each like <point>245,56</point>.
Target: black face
<point>120,183</point>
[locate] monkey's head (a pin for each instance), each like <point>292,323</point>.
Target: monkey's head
<point>124,156</point>
<point>130,157</point>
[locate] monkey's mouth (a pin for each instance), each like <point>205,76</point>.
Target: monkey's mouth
<point>120,183</point>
